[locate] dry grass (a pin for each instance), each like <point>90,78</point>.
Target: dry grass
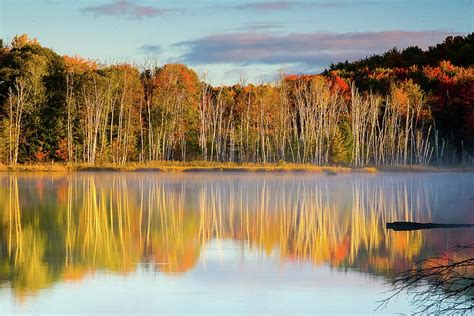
<point>175,166</point>
<point>209,166</point>
<point>203,166</point>
<point>39,167</point>
<point>418,168</point>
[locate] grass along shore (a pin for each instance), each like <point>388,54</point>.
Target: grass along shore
<point>209,166</point>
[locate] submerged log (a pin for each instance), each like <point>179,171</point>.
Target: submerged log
<point>406,226</point>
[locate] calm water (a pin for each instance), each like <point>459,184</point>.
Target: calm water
<point>218,243</point>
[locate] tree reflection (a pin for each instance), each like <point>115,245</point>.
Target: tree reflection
<point>62,227</point>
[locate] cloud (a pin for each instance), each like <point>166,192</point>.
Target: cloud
<point>125,8</point>
<point>258,26</point>
<point>286,5</point>
<point>267,6</point>
<point>316,49</point>
<point>132,9</point>
<point>150,49</point>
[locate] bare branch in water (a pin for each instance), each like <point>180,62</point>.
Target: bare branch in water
<point>440,285</point>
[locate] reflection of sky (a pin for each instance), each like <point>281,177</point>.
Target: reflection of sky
<point>236,272</point>
<point>181,30</point>
<point>231,281</point>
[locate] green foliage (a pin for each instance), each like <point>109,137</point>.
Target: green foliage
<point>458,49</point>
<point>341,145</point>
<point>42,71</point>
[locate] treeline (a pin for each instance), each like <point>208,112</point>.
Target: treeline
<point>457,49</point>
<point>74,110</point>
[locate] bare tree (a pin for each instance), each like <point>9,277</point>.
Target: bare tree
<point>17,103</point>
<point>439,285</point>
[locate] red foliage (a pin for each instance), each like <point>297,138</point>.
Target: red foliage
<point>41,155</point>
<point>401,73</point>
<point>341,84</point>
<point>61,152</point>
<point>292,78</point>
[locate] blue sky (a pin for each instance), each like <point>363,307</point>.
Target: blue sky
<point>230,39</point>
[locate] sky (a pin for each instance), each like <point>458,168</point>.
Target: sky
<point>227,41</point>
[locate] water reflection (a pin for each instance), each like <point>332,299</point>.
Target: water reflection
<point>57,228</point>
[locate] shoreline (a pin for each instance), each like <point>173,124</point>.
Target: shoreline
<point>205,166</point>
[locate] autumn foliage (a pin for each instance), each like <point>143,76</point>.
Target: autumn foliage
<point>402,107</point>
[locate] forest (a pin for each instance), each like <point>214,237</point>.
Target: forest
<point>408,107</point>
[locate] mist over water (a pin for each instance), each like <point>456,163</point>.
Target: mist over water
<point>218,242</point>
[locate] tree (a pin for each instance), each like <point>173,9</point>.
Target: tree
<point>75,67</point>
<point>172,111</point>
<point>341,145</point>
<point>40,72</point>
<point>438,285</point>
<point>17,102</point>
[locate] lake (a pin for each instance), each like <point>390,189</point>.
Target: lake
<point>222,243</point>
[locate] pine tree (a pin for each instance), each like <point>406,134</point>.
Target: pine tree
<point>341,145</point>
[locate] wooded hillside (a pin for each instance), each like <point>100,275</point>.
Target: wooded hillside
<point>403,107</point>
